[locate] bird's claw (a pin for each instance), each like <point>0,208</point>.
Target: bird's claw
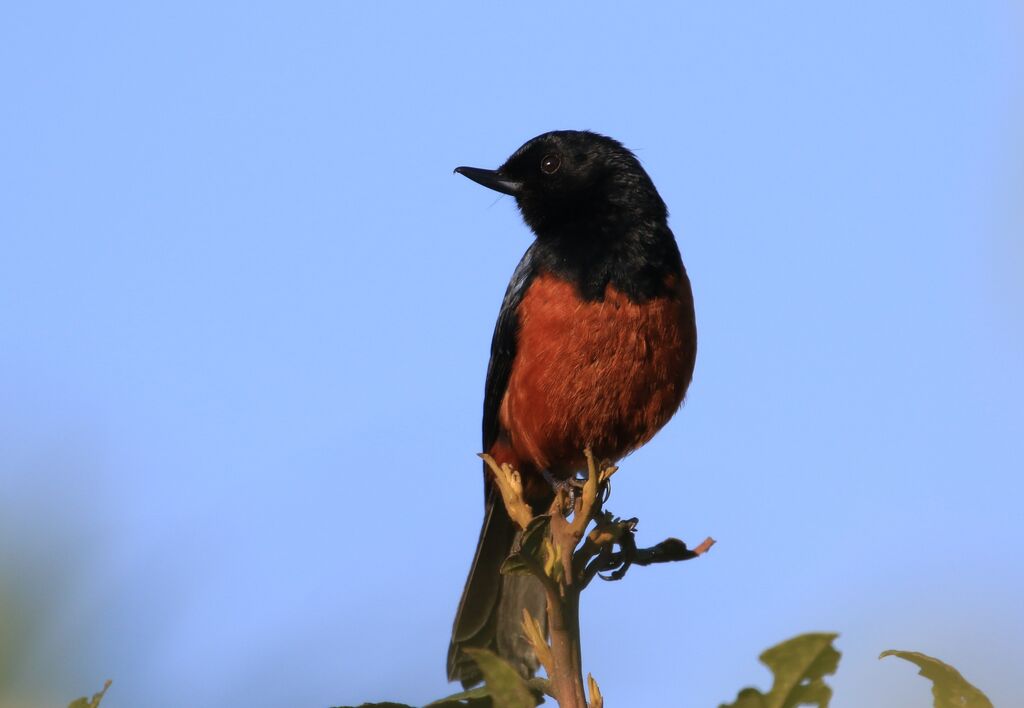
<point>563,485</point>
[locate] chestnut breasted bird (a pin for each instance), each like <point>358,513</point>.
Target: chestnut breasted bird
<point>594,346</point>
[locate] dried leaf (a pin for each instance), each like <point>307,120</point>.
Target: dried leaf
<point>537,638</point>
<point>596,699</point>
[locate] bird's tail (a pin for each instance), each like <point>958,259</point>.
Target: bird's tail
<point>490,614</point>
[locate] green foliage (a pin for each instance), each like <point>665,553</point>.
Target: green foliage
<point>479,696</point>
<point>799,665</point>
<point>93,702</point>
<point>506,686</point>
<point>485,697</point>
<point>950,689</point>
<point>530,547</point>
<point>503,688</point>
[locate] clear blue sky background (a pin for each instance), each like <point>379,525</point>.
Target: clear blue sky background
<point>245,311</point>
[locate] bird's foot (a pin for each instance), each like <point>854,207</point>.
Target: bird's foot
<point>566,490</point>
<point>569,484</point>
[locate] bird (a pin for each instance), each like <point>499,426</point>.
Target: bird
<point>594,347</point>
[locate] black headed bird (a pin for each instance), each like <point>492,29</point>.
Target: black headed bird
<point>594,346</point>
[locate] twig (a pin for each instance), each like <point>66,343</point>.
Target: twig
<point>511,486</point>
<point>668,551</point>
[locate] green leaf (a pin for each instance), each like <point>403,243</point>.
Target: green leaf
<point>481,695</point>
<point>799,665</point>
<point>93,702</point>
<point>505,686</point>
<point>950,689</point>
<point>514,565</point>
<point>747,698</point>
<point>531,545</point>
<point>541,686</point>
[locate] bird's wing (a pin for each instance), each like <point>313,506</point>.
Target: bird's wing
<point>492,603</point>
<point>503,345</point>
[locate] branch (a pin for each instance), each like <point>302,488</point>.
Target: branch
<point>557,549</point>
<point>668,551</point>
<point>511,486</point>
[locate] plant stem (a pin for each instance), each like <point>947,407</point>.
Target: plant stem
<point>564,626</point>
<point>565,571</point>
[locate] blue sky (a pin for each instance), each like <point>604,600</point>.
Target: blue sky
<point>245,311</point>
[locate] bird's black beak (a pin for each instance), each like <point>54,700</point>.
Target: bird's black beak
<point>491,180</point>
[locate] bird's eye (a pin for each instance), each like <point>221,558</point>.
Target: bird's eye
<point>550,164</point>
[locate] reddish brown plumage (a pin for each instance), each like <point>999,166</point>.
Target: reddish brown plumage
<point>608,374</point>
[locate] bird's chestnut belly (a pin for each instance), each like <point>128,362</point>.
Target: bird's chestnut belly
<point>608,374</point>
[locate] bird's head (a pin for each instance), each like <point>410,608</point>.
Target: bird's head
<point>566,181</point>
